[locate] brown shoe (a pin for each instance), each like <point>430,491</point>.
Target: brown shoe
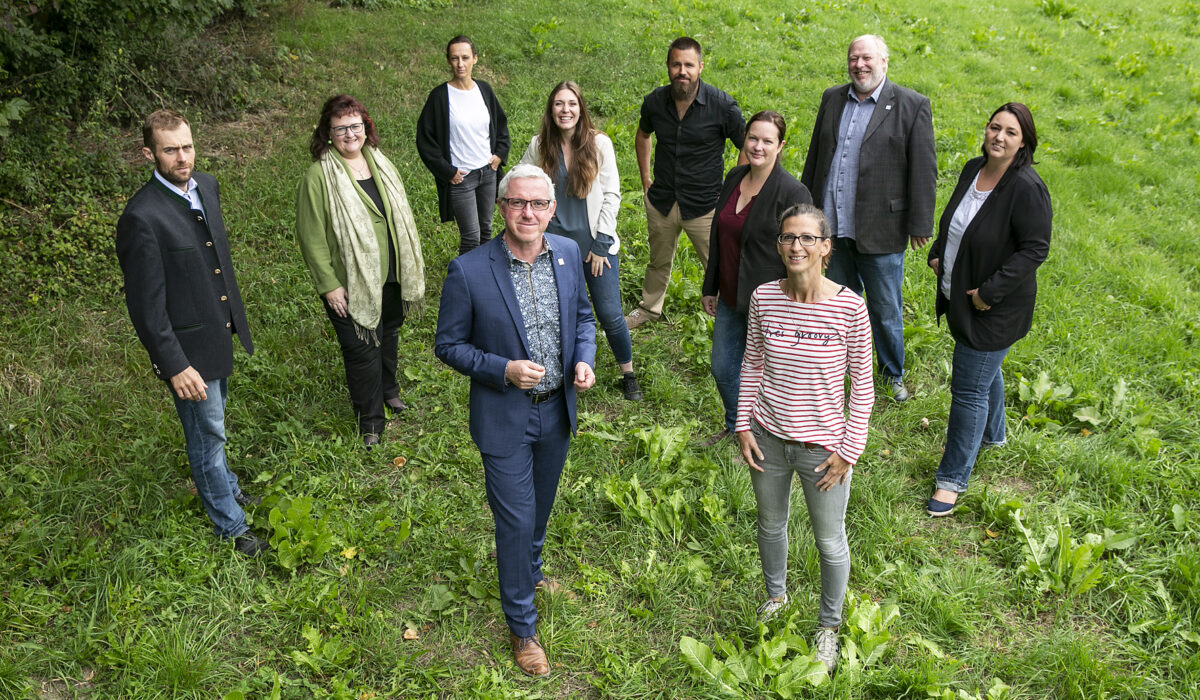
<point>638,317</point>
<point>530,656</point>
<point>553,587</point>
<point>716,437</point>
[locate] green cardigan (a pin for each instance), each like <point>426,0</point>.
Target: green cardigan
<point>314,227</point>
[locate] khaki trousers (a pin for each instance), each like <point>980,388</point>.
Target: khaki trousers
<point>663,233</point>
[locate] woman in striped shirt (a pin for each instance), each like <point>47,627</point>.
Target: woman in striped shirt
<point>804,334</point>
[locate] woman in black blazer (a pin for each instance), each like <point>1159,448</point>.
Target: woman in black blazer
<point>741,252</point>
<point>462,137</point>
<point>992,236</point>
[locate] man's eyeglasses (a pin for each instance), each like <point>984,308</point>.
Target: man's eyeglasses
<point>355,128</point>
<point>537,204</point>
<point>786,239</point>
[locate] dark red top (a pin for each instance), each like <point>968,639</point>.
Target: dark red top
<point>729,238</point>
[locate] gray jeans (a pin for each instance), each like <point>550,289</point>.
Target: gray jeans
<point>474,202</point>
<point>826,513</point>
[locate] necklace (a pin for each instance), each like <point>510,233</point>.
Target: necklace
<point>362,174</point>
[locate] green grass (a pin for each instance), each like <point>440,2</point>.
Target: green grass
<point>111,586</point>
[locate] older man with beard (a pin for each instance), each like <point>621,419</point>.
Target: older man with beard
<point>691,121</point>
<point>871,167</point>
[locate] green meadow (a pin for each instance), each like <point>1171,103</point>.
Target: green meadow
<point>1073,571</point>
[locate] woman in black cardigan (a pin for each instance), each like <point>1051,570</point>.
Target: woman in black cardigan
<point>992,236</point>
<point>462,137</point>
<point>741,252</point>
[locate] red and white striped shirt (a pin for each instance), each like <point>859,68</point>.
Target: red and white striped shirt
<point>793,372</point>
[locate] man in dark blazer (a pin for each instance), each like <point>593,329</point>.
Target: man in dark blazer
<point>185,305</point>
<point>872,168</point>
<point>516,319</point>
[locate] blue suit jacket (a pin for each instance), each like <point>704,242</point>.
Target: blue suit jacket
<point>480,328</point>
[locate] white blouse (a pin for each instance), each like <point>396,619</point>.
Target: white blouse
<point>470,123</point>
<point>968,207</point>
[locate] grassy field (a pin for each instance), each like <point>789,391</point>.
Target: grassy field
<point>1074,571</point>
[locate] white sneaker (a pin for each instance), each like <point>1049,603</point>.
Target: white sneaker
<point>827,648</point>
<point>767,610</point>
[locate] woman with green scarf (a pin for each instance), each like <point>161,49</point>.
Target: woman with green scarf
<point>359,239</point>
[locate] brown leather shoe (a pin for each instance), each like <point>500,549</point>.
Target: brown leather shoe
<point>530,656</point>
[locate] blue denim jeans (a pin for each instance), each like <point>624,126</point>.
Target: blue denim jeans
<point>605,292</point>
<point>880,276</point>
<point>474,201</point>
<point>204,432</point>
<point>728,347</point>
<point>520,489</point>
<point>826,514</point>
<point>976,413</point>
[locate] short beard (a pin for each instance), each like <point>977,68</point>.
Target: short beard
<point>679,94</point>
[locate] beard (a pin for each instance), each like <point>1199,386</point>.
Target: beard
<point>172,176</point>
<point>681,92</point>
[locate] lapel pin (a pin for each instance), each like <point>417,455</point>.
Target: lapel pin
<point>887,107</point>
<point>560,261</point>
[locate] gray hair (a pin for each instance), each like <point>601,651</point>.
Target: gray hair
<point>525,171</point>
<point>880,44</point>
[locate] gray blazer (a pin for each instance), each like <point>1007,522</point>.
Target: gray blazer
<point>897,167</point>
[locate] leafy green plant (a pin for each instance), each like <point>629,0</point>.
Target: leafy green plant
<point>766,666</point>
<point>866,632</point>
<point>666,513</point>
<point>998,690</point>
<point>299,536</point>
<point>324,653</point>
<point>665,445</point>
<point>1062,565</point>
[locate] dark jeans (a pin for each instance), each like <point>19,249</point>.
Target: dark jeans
<point>474,201</point>
<point>370,368</point>
<point>728,347</point>
<point>976,413</point>
<point>605,291</point>
<point>521,488</point>
<point>880,276</point>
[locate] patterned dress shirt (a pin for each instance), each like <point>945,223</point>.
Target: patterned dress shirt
<point>537,297</point>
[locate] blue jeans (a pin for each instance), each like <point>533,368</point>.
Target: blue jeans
<point>521,488</point>
<point>605,292</point>
<point>976,413</point>
<point>474,201</point>
<point>728,347</point>
<point>204,432</point>
<point>880,276</point>
<point>826,513</point>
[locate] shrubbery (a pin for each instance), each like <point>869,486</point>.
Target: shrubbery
<point>70,74</point>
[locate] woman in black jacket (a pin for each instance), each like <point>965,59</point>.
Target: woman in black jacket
<point>462,137</point>
<point>992,236</point>
<point>741,248</point>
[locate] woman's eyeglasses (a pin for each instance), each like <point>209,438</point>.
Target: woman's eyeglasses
<point>806,240</point>
<point>355,128</point>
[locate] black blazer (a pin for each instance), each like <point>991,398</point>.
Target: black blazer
<point>999,255</point>
<point>897,167</point>
<point>433,139</point>
<point>758,259</point>
<point>180,287</point>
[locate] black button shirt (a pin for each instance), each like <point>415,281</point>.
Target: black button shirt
<point>689,154</point>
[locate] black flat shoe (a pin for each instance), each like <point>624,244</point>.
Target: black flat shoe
<point>247,501</point>
<point>249,544</point>
<point>395,403</point>
<point>370,440</point>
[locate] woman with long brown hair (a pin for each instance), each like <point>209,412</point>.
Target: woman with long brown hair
<point>580,160</point>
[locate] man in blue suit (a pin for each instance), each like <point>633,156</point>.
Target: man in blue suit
<point>516,319</point>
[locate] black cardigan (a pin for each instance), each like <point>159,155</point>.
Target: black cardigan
<point>758,259</point>
<point>999,255</point>
<point>433,139</point>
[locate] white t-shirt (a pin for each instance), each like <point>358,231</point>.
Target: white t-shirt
<point>470,145</point>
<point>968,207</point>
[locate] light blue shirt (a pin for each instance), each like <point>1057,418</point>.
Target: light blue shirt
<point>192,195</point>
<point>841,188</point>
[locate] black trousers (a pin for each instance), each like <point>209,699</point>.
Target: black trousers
<point>370,368</point>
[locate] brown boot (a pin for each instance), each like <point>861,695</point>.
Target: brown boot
<point>530,656</point>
